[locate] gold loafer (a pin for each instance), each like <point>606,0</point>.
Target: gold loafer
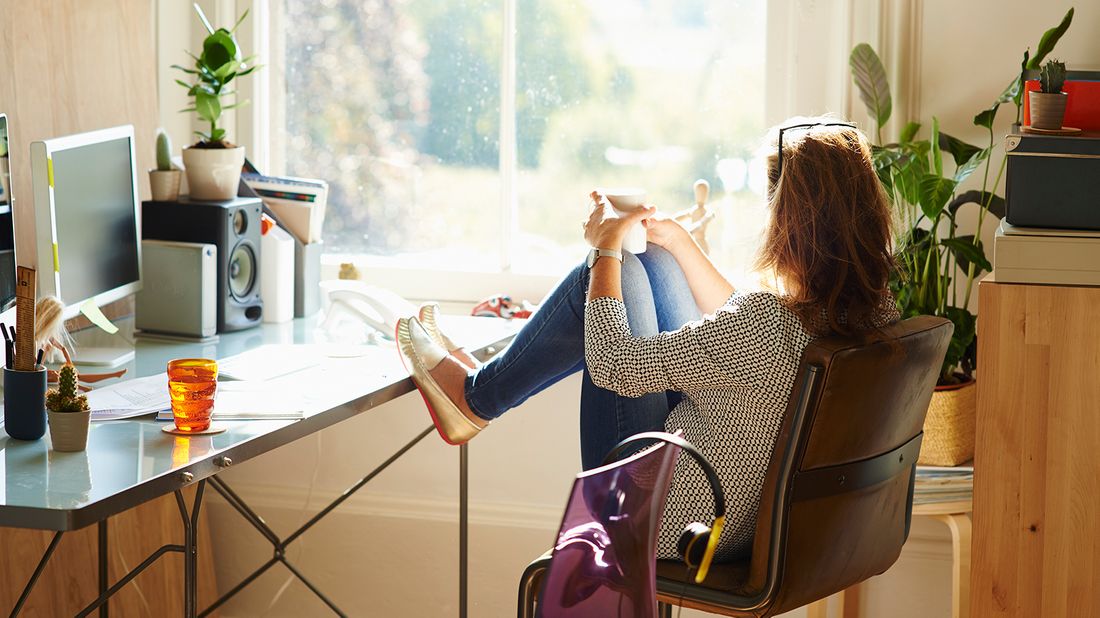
<point>429,319</point>
<point>420,353</point>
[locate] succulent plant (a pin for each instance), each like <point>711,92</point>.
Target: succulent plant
<point>66,398</point>
<point>164,151</point>
<point>1052,76</point>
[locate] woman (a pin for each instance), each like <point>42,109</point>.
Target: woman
<point>666,342</point>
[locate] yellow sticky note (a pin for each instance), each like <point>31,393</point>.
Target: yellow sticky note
<point>92,312</point>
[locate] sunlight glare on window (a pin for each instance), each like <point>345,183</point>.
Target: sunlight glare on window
<point>397,104</point>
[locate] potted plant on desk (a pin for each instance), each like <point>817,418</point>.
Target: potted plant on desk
<point>68,413</point>
<point>938,264</point>
<point>213,164</point>
<point>164,181</point>
<point>1048,105</point>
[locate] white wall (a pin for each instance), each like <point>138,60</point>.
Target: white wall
<point>392,550</point>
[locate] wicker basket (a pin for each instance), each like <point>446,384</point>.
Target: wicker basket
<point>949,426</point>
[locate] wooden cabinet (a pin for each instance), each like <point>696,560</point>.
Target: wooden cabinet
<point>1036,522</point>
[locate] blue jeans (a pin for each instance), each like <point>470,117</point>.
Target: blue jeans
<point>551,346</point>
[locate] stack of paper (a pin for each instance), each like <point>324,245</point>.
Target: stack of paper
<point>938,484</point>
<point>130,398</point>
<point>299,203</point>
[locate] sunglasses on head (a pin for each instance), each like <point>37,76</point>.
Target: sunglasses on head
<point>779,163</point>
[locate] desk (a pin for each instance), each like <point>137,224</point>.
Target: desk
<point>130,462</point>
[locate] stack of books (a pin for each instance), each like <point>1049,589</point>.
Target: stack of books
<point>299,203</point>
<point>939,485</point>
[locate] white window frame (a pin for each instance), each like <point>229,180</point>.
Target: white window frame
<point>796,29</point>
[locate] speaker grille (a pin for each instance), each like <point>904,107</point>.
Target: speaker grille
<point>242,271</point>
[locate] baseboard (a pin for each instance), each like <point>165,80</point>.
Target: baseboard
<point>372,504</point>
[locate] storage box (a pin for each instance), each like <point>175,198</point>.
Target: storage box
<point>1082,104</point>
<point>1053,257</point>
<point>1053,181</point>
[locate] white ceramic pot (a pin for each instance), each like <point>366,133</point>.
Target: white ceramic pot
<point>164,185</point>
<point>213,173</point>
<point>69,430</point>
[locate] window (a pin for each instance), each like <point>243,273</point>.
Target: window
<point>398,104</point>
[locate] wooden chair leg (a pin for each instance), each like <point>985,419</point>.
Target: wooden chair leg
<point>850,602</point>
<point>959,524</point>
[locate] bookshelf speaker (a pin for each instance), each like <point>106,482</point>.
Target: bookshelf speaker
<point>233,226</point>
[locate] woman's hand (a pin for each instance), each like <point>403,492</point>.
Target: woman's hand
<point>666,232</point>
<point>606,230</point>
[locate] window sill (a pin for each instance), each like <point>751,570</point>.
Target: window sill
<point>442,285</point>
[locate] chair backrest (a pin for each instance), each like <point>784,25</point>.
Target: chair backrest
<point>837,501</point>
<point>602,563</point>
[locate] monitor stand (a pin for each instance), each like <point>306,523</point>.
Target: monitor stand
<point>102,357</point>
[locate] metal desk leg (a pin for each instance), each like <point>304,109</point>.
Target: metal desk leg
<point>102,545</point>
<point>280,545</point>
<point>463,526</point>
<point>190,550</point>
<point>37,573</point>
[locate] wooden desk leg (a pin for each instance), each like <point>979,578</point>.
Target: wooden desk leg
<point>959,524</point>
<point>818,609</point>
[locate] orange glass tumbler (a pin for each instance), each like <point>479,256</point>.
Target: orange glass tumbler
<point>192,383</point>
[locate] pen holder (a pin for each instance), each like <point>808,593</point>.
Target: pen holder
<point>25,403</point>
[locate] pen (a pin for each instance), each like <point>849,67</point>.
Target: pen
<point>38,360</point>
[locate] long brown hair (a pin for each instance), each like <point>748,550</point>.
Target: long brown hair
<point>829,239</point>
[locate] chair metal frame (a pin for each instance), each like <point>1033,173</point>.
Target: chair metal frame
<point>820,482</point>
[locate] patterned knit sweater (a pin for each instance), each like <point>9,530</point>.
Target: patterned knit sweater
<point>736,369</point>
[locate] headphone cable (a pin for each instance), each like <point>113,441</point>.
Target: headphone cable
<point>683,591</point>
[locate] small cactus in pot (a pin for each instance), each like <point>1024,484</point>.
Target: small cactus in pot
<point>1052,77</point>
<point>68,412</point>
<point>164,181</point>
<point>1048,105</point>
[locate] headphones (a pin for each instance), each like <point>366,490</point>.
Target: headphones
<point>697,542</point>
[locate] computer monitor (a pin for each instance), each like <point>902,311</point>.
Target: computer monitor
<point>86,211</point>
<point>7,230</point>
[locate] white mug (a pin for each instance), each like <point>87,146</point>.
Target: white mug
<point>623,202</point>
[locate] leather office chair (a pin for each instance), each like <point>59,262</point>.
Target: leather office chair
<point>837,501</point>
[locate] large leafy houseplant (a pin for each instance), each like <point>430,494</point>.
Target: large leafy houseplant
<point>213,164</point>
<point>923,177</point>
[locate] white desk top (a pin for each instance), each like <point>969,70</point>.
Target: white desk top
<point>129,462</point>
